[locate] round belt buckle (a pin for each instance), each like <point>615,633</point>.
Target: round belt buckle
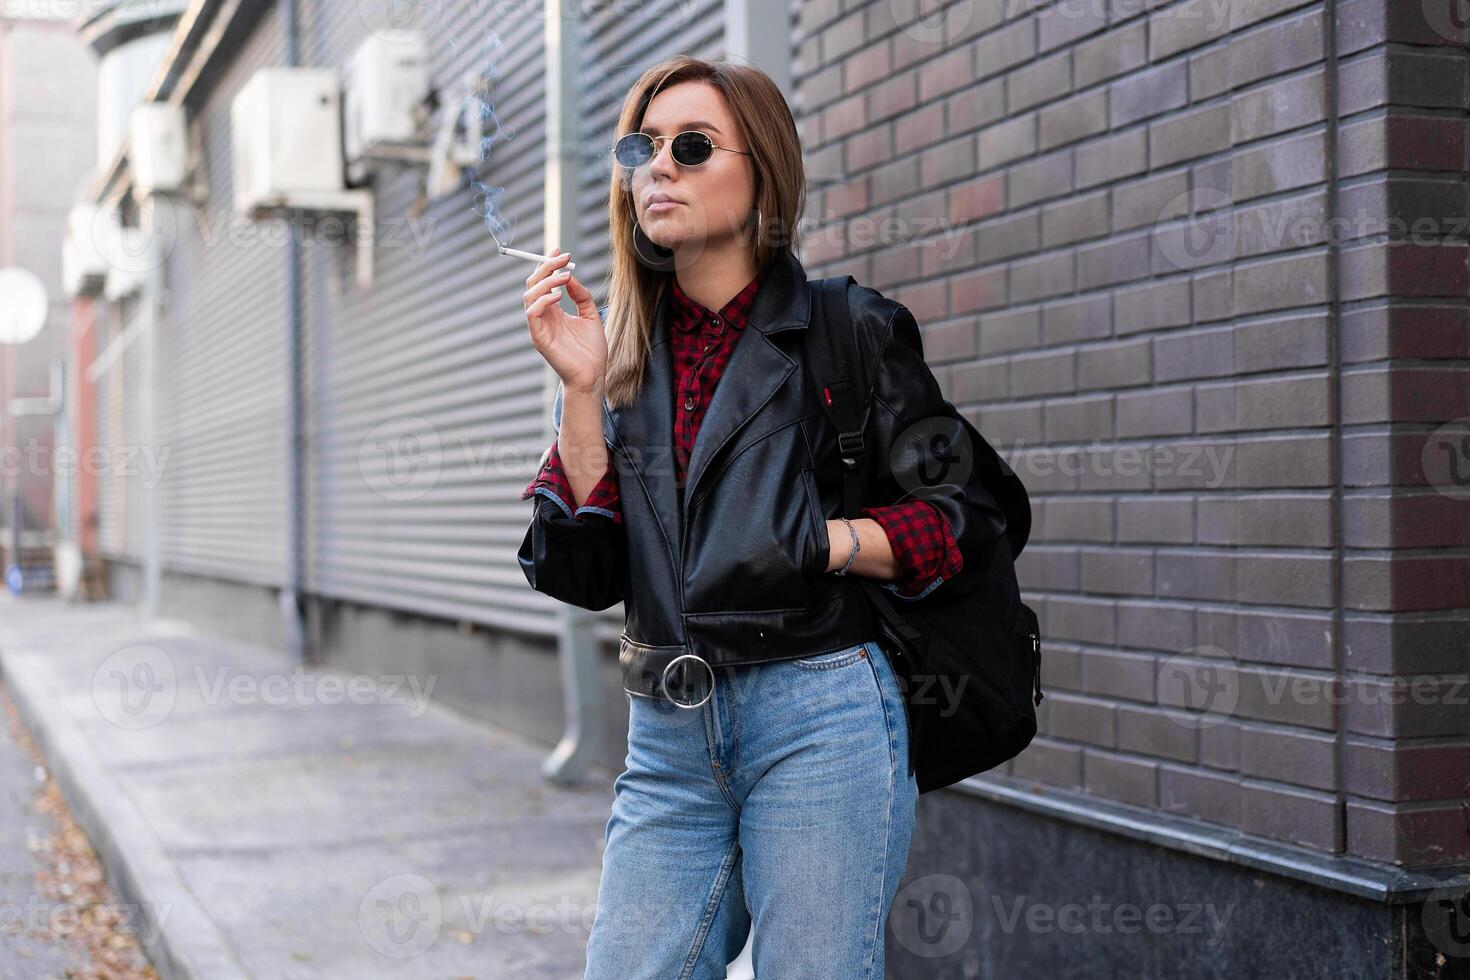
<point>709,690</point>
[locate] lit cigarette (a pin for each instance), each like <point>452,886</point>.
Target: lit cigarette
<point>532,256</point>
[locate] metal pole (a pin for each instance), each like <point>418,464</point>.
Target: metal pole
<point>576,636</point>
<point>292,625</point>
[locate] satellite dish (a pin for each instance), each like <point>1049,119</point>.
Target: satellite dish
<point>23,305</point>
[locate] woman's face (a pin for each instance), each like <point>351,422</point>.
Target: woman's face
<point>712,202</point>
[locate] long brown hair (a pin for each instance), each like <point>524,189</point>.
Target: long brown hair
<point>780,194</point>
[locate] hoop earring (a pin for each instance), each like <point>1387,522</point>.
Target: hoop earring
<point>650,253</point>
<point>757,227</point>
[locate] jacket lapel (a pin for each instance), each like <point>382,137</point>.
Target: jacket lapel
<point>645,428</point>
<point>757,369</point>
<point>758,366</point>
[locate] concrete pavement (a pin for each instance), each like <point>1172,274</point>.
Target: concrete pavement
<point>302,824</point>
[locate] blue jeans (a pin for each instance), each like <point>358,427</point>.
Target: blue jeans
<point>785,799</point>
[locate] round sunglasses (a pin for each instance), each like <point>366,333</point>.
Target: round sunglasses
<point>689,149</point>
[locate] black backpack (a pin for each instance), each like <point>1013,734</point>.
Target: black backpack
<point>968,657</point>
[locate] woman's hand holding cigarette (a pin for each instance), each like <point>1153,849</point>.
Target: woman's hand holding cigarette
<point>574,346</point>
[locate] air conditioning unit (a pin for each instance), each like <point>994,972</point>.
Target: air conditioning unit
<point>158,147</point>
<point>83,251</point>
<point>128,260</point>
<point>383,86</point>
<point>286,125</point>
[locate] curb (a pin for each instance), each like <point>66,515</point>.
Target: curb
<point>186,943</point>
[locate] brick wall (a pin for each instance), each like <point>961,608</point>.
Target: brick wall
<point>1153,249</point>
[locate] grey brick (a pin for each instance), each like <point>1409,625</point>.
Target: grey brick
<point>1281,225</point>
<point>1067,20</point>
<point>976,105</point>
<point>1212,292</point>
<point>1050,762</point>
<point>950,71</point>
<point>947,162</point>
<point>913,130</point>
<point>1151,306</point>
<point>1198,353</point>
<point>1158,519</point>
<point>1200,793</point>
<point>1007,141</point>
<point>1006,330</point>
<point>1298,816</point>
<point>1281,165</point>
<point>1047,275</point>
<point>1118,571</point>
<point>1074,119</point>
<point>1149,731</point>
<point>1189,135</point>
<point>1041,178</point>
<point>1163,197</point>
<point>1112,158</point>
<point>1150,624</point>
<point>1277,520</point>
<point>1295,697</point>
<point>1040,81</point>
<point>1155,413</point>
<point>1042,374</point>
<point>1121,778</point>
<point>1075,219</point>
<point>1114,365</point>
<point>1082,719</point>
<point>1181,26</point>
<point>1277,107</point>
<point>1116,260</point>
<point>1004,48</point>
<point>1282,462</point>
<point>1112,54</point>
<point>1078,519</point>
<point>1083,318</point>
<point>1144,94</point>
<point>1197,576</point>
<point>1287,756</point>
<point>1078,419</point>
<point>1278,47</point>
<point>1280,283</point>
<point>1009,236</point>
<point>1209,74</point>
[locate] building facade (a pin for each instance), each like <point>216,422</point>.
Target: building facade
<point>1199,270</point>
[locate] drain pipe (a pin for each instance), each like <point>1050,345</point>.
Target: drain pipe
<point>292,625</point>
<point>577,644</point>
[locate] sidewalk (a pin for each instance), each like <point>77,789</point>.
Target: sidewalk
<point>274,825</point>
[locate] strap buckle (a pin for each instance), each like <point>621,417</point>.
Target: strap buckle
<point>850,445</point>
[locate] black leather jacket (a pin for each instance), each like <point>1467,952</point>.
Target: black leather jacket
<point>732,566</point>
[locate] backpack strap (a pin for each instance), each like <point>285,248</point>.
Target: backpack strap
<point>835,364</point>
<point>842,383</point>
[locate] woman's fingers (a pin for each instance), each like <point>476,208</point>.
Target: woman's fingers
<point>582,296</point>
<point>547,277</point>
<point>543,304</point>
<point>557,259</point>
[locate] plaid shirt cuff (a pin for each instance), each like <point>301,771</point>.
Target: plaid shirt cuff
<point>552,482</point>
<point>923,544</point>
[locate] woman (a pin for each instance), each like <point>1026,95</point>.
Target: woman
<point>693,477</point>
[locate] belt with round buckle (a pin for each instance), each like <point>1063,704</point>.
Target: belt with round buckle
<point>684,684</point>
<point>665,672</point>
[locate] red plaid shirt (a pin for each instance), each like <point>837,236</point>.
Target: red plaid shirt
<point>922,540</point>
